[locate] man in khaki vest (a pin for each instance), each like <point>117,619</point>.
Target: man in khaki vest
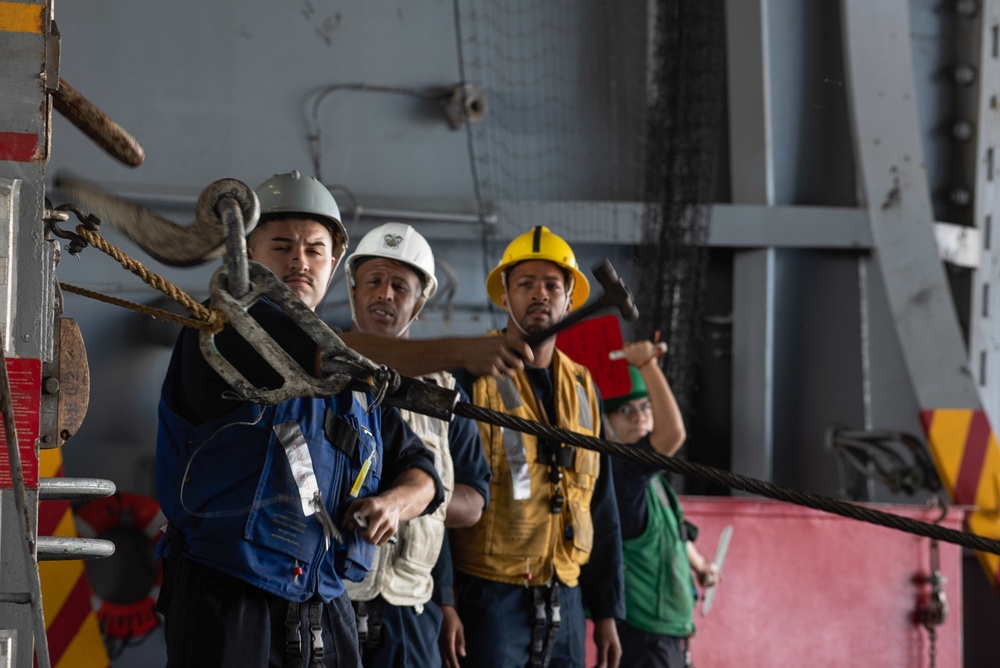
<point>549,545</point>
<point>390,278</point>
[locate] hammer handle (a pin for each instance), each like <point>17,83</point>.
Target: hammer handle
<point>573,318</point>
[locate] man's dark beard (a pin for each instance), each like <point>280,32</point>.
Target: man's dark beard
<point>536,326</point>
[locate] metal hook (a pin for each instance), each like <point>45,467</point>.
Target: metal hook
<point>231,215</point>
<point>58,214</point>
<point>935,501</point>
<point>385,381</point>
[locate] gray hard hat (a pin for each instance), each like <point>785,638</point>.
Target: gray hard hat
<point>293,193</point>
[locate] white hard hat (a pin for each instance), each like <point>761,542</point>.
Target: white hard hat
<point>399,242</point>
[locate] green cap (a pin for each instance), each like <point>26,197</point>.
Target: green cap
<point>638,391</point>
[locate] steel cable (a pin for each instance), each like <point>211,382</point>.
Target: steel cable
<point>732,480</point>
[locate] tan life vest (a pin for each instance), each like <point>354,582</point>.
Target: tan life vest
<point>518,533</point>
<point>401,573</point>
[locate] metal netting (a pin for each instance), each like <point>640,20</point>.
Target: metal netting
<point>685,130</point>
<point>561,144</point>
<point>594,105</point>
<point>565,84</point>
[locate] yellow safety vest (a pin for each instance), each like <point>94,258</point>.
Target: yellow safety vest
<point>519,534</point>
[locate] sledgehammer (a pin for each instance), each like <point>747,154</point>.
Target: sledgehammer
<point>616,295</point>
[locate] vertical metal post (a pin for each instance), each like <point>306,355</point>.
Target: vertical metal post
<point>26,298</point>
<point>26,523</point>
<point>753,363</point>
<point>752,180</point>
<point>749,88</point>
<point>9,206</point>
<point>984,331</point>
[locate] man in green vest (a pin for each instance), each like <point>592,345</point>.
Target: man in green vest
<point>656,541</point>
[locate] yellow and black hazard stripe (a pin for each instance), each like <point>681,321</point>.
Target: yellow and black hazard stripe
<point>21,17</point>
<point>71,625</point>
<point>967,457</point>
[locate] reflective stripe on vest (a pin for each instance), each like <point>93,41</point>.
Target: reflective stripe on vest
<point>227,487</point>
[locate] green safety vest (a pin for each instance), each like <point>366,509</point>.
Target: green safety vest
<point>658,585</point>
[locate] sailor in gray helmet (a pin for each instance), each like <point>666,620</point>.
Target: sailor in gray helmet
<point>262,500</point>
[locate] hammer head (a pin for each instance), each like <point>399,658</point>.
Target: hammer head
<point>616,293</point>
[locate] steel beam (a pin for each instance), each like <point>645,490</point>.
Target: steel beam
<point>749,82</point>
<point>751,154</point>
<point>24,127</point>
<point>753,363</point>
<point>9,208</point>
<point>984,334</point>
<point>895,193</point>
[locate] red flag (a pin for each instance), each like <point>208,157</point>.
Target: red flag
<point>589,342</point>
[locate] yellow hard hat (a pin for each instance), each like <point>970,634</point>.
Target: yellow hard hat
<point>539,244</point>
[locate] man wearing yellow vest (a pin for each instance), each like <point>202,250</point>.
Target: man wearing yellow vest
<point>549,545</point>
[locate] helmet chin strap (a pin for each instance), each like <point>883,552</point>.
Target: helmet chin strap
<point>416,312</point>
<point>329,282</point>
<point>512,319</point>
<point>405,329</point>
<point>510,313</point>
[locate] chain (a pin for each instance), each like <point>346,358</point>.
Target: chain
<point>937,605</point>
<point>934,612</point>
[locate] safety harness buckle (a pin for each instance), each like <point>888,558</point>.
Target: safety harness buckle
<point>369,619</point>
<point>541,642</point>
<point>375,611</point>
<point>293,641</point>
<point>316,629</point>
